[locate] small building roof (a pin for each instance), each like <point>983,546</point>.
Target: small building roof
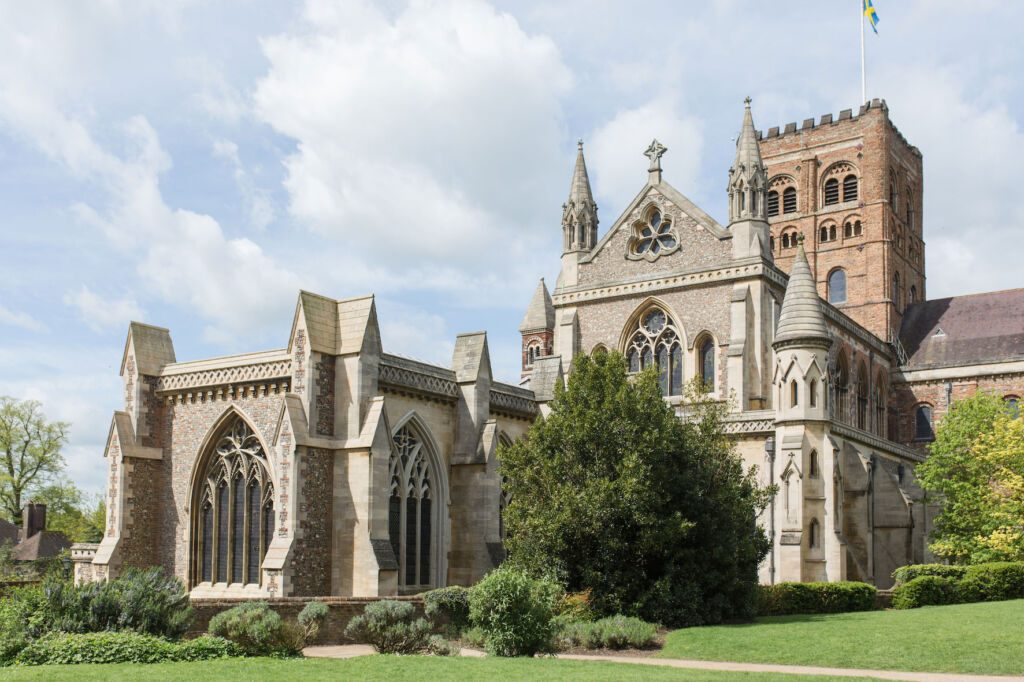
<point>8,531</point>
<point>44,544</point>
<point>964,330</point>
<point>540,315</point>
<point>801,316</point>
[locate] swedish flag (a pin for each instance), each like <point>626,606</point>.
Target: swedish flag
<point>871,14</point>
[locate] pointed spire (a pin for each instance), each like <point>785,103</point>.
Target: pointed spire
<point>579,213</point>
<point>579,191</point>
<point>540,315</point>
<point>801,316</point>
<point>748,151</point>
<point>748,178</point>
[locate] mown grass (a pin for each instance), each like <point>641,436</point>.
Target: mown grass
<point>387,668</point>
<point>967,638</point>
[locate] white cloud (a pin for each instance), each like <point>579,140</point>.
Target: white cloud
<point>615,155</point>
<point>102,314</point>
<point>422,137</point>
<point>15,318</point>
<point>261,208</point>
<point>415,333</point>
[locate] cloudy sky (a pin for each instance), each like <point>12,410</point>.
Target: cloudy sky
<point>194,164</point>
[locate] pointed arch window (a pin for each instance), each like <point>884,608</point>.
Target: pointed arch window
<point>812,469</point>
<point>794,394</point>
<point>881,396</point>
<point>412,526</point>
<point>862,397</point>
<point>233,525</point>
<point>841,382</point>
<point>813,534</point>
<point>896,290</point>
<point>923,423</point>
<point>812,393</point>
<point>789,200</point>
<point>706,356</point>
<point>657,343</point>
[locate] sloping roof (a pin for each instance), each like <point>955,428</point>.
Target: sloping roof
<point>965,330</point>
<point>44,544</point>
<point>801,316</point>
<point>8,531</point>
<point>541,312</point>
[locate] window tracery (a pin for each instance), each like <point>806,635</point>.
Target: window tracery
<point>657,343</point>
<point>654,236</point>
<point>235,519</point>
<point>411,513</point>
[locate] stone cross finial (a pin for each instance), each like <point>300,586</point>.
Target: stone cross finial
<point>800,239</point>
<point>579,144</point>
<point>747,101</point>
<point>654,153</point>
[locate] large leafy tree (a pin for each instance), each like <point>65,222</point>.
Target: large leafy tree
<point>612,492</point>
<point>76,514</point>
<point>30,452</point>
<point>976,470</point>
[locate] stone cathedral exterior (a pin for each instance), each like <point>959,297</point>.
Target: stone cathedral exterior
<point>329,467</point>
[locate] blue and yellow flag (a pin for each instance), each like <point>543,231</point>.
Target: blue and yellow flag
<point>871,14</point>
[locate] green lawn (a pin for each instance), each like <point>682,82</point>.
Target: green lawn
<point>967,638</point>
<point>387,668</point>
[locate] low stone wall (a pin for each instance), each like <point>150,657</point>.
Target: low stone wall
<point>883,600</point>
<point>340,610</point>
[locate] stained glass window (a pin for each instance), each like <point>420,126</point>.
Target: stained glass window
<point>411,511</point>
<point>656,343</point>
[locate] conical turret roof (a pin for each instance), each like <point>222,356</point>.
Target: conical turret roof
<point>541,312</point>
<point>748,152</point>
<point>801,316</point>
<point>579,190</point>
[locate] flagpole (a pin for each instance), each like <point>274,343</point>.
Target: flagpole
<point>863,71</point>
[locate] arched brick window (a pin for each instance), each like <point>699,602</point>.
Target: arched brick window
<point>773,203</point>
<point>896,290</point>
<point>923,423</point>
<point>1012,405</point>
<point>850,188</point>
<point>831,191</point>
<point>789,200</point>
<point>837,286</point>
<point>912,296</point>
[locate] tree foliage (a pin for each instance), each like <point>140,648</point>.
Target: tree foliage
<point>76,514</point>
<point>612,492</point>
<point>30,452</point>
<point>976,467</point>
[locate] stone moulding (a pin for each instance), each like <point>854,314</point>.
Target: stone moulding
<point>762,421</point>
<point>418,377</point>
<point>874,442</point>
<point>503,400</point>
<point>258,372</point>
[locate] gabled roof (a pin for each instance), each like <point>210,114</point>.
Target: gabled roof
<point>676,197</point>
<point>965,330</point>
<point>8,531</point>
<point>540,315</point>
<point>801,316</point>
<point>44,544</point>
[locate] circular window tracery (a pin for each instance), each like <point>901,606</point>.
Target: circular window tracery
<point>657,343</point>
<point>653,236</point>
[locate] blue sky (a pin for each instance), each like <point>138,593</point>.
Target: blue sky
<point>194,164</point>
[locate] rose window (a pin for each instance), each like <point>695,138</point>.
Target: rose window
<point>653,237</point>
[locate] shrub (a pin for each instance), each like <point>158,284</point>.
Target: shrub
<point>515,612</point>
<point>10,647</point>
<point>120,647</point>
<point>576,606</point>
<point>784,599</point>
<point>23,614</point>
<point>310,619</point>
<point>390,628</point>
<point>905,574</point>
<point>439,646</point>
<point>474,637</point>
<point>995,581</point>
<point>925,590</point>
<point>148,601</point>
<point>451,603</point>
<point>614,632</point>
<point>258,630</point>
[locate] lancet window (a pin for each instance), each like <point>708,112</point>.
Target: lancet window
<point>657,343</point>
<point>411,509</point>
<point>235,519</point>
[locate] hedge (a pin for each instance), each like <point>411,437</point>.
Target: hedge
<point>118,647</point>
<point>784,599</point>
<point>905,574</point>
<point>995,581</point>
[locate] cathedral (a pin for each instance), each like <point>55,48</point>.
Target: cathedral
<point>330,467</point>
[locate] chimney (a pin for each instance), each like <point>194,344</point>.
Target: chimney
<point>33,519</point>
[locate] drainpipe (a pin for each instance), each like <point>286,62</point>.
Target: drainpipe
<point>769,451</point>
<point>874,464</point>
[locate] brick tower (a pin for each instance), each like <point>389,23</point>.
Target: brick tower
<point>852,187</point>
